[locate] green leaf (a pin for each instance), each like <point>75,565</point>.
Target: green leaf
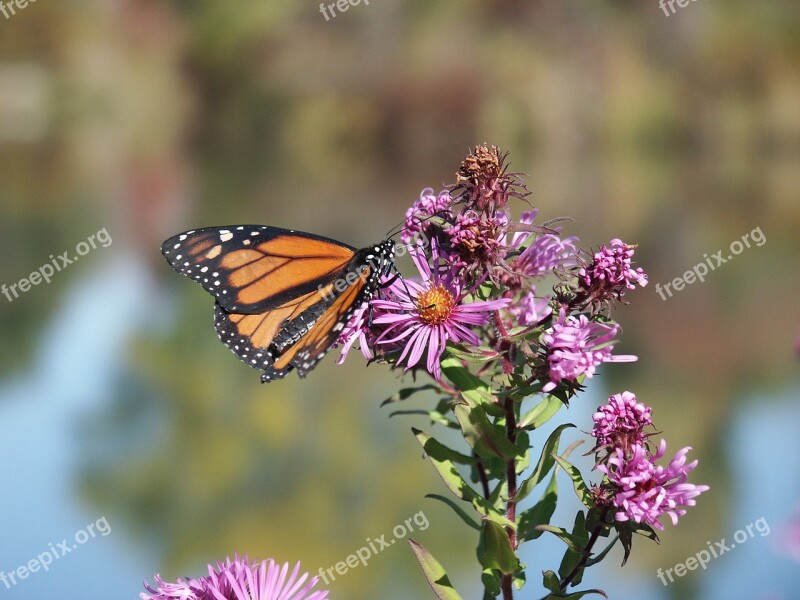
<point>485,438</point>
<point>517,333</point>
<point>575,554</point>
<point>406,393</point>
<point>583,493</point>
<point>498,553</point>
<point>405,413</point>
<point>596,559</point>
<point>481,354</point>
<point>458,510</point>
<point>523,444</point>
<point>472,388</point>
<point>541,413</point>
<point>546,462</point>
<point>626,529</point>
<point>539,514</point>
<point>565,536</point>
<point>434,573</point>
<point>551,582</point>
<point>440,456</point>
<point>446,453</point>
<point>575,595</point>
<point>491,583</point>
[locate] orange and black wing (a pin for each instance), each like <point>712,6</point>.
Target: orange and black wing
<point>294,336</point>
<point>251,269</point>
<point>283,296</point>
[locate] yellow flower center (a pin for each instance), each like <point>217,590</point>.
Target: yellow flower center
<point>435,305</point>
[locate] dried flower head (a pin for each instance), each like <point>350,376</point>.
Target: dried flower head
<point>483,182</point>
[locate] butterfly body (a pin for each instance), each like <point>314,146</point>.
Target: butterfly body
<point>282,296</point>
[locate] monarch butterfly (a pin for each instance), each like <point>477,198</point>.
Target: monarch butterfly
<point>282,296</point>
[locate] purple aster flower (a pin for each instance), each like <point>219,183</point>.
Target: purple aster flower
<point>576,346</point>
<point>621,421</point>
<point>356,330</point>
<point>240,579</point>
<point>611,273</point>
<point>644,491</point>
<point>427,206</point>
<point>423,316</point>
<point>530,308</point>
<point>545,253</point>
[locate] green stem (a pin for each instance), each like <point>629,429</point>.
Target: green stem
<point>511,506</point>
<point>587,551</point>
<point>482,476</point>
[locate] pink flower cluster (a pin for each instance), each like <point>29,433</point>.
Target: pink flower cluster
<point>640,490</point>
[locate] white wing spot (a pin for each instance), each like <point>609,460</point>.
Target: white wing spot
<point>225,235</point>
<point>181,238</point>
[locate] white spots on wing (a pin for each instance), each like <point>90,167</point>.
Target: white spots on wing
<point>240,228</point>
<point>176,246</point>
<point>214,252</point>
<point>216,282</point>
<point>181,238</point>
<point>204,269</point>
<point>255,233</point>
<point>246,242</point>
<point>225,235</point>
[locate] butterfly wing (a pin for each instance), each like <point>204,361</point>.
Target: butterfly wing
<point>283,296</point>
<point>294,336</point>
<point>251,269</point>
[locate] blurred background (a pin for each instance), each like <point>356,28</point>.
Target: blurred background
<point>145,118</point>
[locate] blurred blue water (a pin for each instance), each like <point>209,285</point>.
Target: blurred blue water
<point>81,351</point>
